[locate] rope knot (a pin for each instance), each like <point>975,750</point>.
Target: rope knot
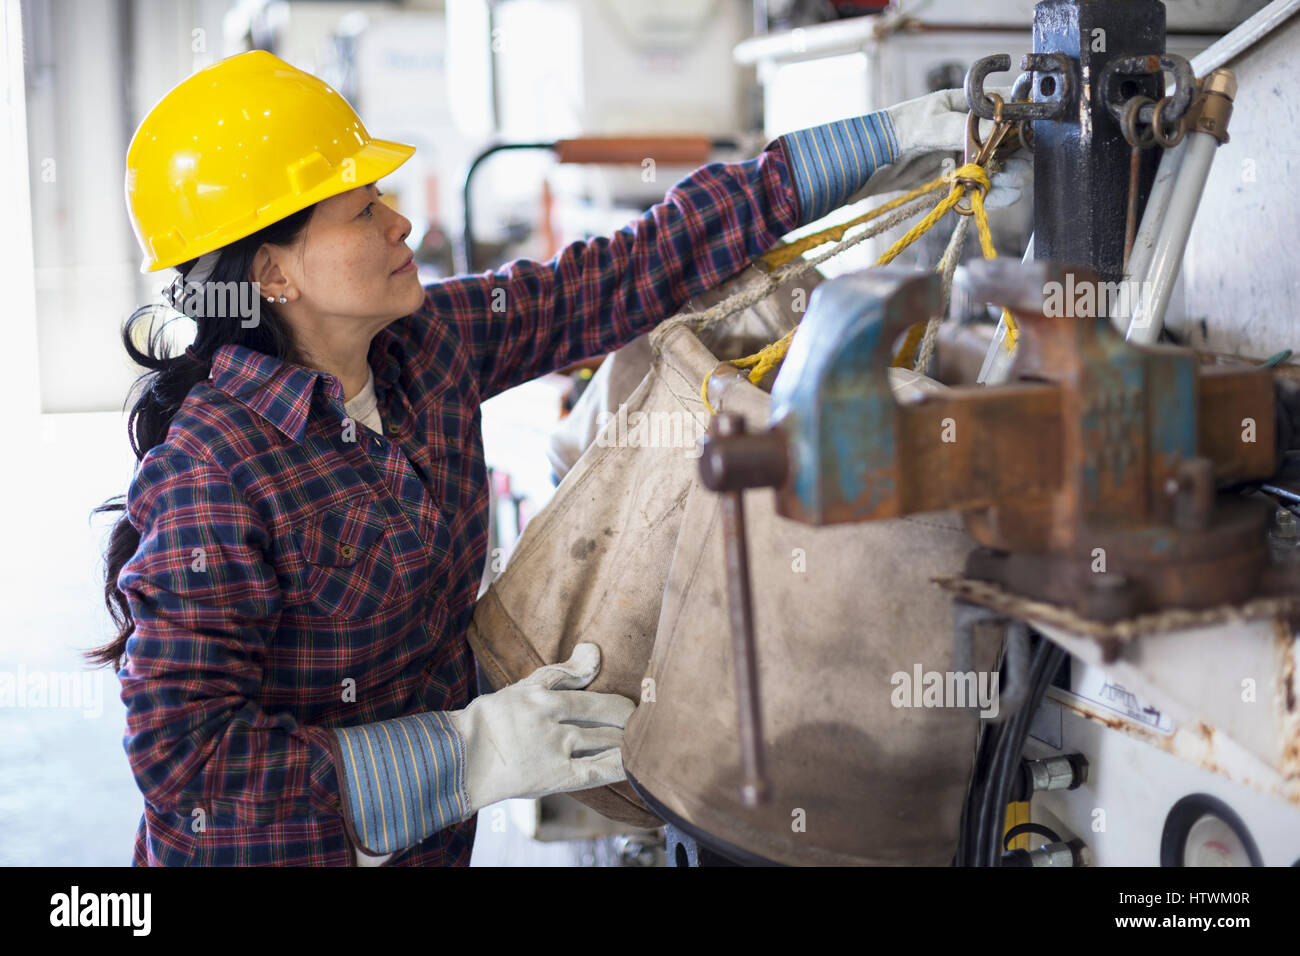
<point>973,173</point>
<point>974,182</point>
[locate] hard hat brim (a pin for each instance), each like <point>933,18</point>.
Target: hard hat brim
<point>373,161</point>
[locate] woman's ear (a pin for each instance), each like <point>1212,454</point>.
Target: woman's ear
<point>266,272</point>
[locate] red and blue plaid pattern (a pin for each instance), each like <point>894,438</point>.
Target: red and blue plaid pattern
<point>295,575</point>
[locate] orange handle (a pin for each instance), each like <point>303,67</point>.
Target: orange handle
<point>633,149</point>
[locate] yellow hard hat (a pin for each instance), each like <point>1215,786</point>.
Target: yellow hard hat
<point>240,145</point>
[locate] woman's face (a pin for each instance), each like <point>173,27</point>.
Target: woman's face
<point>341,277</point>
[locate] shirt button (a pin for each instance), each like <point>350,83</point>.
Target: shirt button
<point>347,550</point>
<point>394,429</point>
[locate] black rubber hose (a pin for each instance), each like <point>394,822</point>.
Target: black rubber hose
<point>1047,661</point>
<point>1055,658</point>
<point>969,826</point>
<point>1020,829</point>
<point>994,817</point>
<point>991,816</point>
<point>973,813</point>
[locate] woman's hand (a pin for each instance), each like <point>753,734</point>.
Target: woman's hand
<point>543,735</point>
<point>929,129</point>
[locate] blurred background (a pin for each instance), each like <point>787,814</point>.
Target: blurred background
<point>490,86</point>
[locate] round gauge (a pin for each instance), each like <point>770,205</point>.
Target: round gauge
<point>1204,831</point>
<point>1211,842</point>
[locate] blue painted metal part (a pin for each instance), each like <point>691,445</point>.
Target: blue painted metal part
<point>832,396</point>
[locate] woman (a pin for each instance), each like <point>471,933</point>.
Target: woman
<point>292,590</point>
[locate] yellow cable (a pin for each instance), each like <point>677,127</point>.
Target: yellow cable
<point>768,357</point>
<point>986,244</point>
<point>775,258</point>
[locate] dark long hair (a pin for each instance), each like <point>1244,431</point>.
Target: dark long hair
<point>170,379</point>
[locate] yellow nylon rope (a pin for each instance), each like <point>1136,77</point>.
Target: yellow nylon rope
<point>768,357</point>
<point>775,258</point>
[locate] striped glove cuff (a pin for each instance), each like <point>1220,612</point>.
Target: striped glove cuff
<point>402,780</point>
<point>830,163</point>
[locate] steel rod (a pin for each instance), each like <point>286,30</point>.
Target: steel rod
<point>754,789</point>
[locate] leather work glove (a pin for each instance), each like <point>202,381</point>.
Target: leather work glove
<point>404,779</point>
<point>930,129</point>
<point>897,149</point>
<point>543,735</point>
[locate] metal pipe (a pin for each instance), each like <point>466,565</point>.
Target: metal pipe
<point>1157,284</point>
<point>685,150</point>
<point>754,789</point>
<point>1169,243</point>
<point>997,362</point>
<point>1251,31</point>
<point>1153,219</point>
<point>464,255</point>
<point>1232,44</point>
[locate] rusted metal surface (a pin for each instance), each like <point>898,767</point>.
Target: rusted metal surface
<point>832,399</point>
<point>1191,675</point>
<point>1049,105</point>
<point>1187,668</point>
<point>1090,482</point>
<point>744,461</point>
<point>1117,102</point>
<point>1136,499</point>
<point>1197,743</point>
<point>1287,699</point>
<point>1112,636</point>
<point>988,461</point>
<point>1225,396</point>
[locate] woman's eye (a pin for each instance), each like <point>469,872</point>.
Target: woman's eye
<point>368,212</point>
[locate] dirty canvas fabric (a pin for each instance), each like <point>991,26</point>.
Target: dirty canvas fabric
<point>591,565</point>
<point>599,563</point>
<point>621,372</point>
<point>839,612</point>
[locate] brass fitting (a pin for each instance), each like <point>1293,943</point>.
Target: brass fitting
<point>1212,108</point>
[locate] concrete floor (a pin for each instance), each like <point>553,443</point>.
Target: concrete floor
<point>67,796</point>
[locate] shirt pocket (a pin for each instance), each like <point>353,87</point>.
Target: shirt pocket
<point>348,560</point>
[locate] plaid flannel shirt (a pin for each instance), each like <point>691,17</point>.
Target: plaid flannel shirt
<point>294,576</point>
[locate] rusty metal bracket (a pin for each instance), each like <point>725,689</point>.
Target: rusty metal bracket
<point>1117,100</point>
<point>1055,95</point>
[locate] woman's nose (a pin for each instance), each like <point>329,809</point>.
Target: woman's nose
<point>401,227</point>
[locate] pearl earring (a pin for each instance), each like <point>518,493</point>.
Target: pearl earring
<point>283,299</point>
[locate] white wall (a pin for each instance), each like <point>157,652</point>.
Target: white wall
<point>15,244</point>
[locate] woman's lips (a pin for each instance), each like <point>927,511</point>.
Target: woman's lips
<point>409,267</point>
